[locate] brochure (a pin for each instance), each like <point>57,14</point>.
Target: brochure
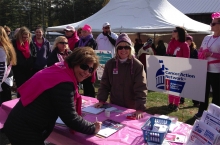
<point>214,109</point>
<point>109,127</point>
<point>211,120</point>
<point>203,134</point>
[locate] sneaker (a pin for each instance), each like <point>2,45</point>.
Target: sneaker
<point>175,108</point>
<point>198,115</point>
<point>170,106</point>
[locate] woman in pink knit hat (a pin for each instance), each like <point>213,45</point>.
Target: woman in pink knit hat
<point>124,79</point>
<point>87,40</point>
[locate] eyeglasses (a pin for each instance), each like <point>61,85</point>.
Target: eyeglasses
<point>63,42</point>
<point>106,27</point>
<point>125,47</point>
<point>174,31</point>
<point>86,67</point>
<point>213,24</point>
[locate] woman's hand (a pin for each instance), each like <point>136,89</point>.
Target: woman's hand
<point>98,105</point>
<point>97,126</point>
<point>138,114</point>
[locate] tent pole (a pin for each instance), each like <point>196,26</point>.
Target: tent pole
<point>154,37</point>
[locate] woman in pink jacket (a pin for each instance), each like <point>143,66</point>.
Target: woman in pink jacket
<point>177,48</point>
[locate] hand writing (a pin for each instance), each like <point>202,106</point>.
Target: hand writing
<point>98,105</point>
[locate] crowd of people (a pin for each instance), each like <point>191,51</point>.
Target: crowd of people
<point>47,78</point>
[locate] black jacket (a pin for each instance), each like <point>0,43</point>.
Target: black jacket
<point>52,59</point>
<point>35,122</point>
<point>42,54</point>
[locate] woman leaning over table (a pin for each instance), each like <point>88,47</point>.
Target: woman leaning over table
<point>124,78</point>
<point>177,48</point>
<point>60,50</point>
<point>26,54</point>
<point>43,49</point>
<point>210,50</point>
<point>33,118</point>
<point>7,58</point>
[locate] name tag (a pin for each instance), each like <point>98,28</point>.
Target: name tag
<point>115,71</point>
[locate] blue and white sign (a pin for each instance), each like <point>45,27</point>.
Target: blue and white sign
<point>104,56</point>
<point>177,76</point>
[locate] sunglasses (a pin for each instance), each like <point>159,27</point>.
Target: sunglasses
<point>174,31</point>
<point>213,24</point>
<point>86,67</point>
<point>63,42</point>
<point>125,47</point>
<point>106,27</point>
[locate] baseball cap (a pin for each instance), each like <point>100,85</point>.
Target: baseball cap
<point>106,24</point>
<point>69,28</point>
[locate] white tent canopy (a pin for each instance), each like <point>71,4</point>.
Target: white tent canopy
<point>139,16</point>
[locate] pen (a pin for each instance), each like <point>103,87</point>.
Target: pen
<point>96,119</point>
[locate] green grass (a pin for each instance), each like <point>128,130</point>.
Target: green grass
<point>157,104</point>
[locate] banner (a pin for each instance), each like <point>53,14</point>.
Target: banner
<point>178,76</point>
<point>104,56</point>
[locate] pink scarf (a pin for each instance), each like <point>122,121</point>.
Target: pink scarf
<point>24,48</point>
<point>72,41</point>
<point>46,79</point>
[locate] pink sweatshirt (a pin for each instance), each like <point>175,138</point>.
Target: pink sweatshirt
<point>178,49</point>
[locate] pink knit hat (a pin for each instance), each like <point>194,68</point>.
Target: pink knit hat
<point>123,38</point>
<point>87,28</point>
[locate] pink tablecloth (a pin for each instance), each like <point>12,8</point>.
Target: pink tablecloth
<point>131,134</point>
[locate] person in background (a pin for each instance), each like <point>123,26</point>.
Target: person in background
<point>177,48</point>
<point>210,50</point>
<point>8,31</point>
<point>7,59</point>
<point>79,32</point>
<point>106,40</point>
<point>72,36</point>
<point>124,79</point>
<point>145,50</point>
<point>161,49</point>
<point>26,54</point>
<point>138,45</point>
<point>33,118</point>
<point>60,51</point>
<point>43,50</point>
<point>194,55</point>
<point>15,33</point>
<point>88,40</point>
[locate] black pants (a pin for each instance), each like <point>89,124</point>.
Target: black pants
<point>213,80</point>
<point>21,75</point>
<point>5,95</point>
<point>88,87</point>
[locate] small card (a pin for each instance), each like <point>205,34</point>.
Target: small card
<point>171,137</point>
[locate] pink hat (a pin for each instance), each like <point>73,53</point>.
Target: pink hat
<point>188,37</point>
<point>216,15</point>
<point>87,28</point>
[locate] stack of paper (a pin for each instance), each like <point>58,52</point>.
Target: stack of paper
<point>93,110</point>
